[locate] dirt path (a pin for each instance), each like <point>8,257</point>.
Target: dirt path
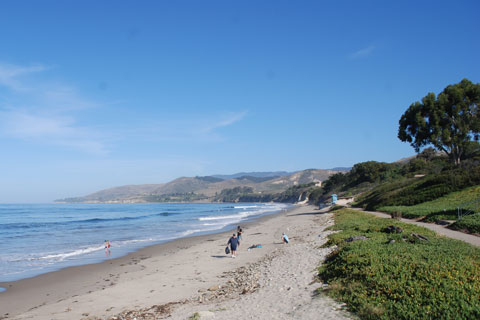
<point>442,230</point>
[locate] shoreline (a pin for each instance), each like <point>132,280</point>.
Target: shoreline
<point>45,289</point>
<point>122,251</point>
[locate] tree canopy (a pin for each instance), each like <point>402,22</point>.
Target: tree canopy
<point>448,121</point>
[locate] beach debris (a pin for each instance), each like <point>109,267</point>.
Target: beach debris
<point>393,229</point>
<point>152,313</point>
<point>356,238</point>
<point>419,237</point>
<point>214,288</point>
<point>243,280</point>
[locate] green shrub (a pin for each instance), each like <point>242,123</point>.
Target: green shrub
<point>444,208</point>
<point>396,214</point>
<point>411,191</point>
<point>470,223</point>
<point>404,279</point>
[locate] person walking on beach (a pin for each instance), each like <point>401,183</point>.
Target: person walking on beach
<point>284,238</point>
<point>239,234</point>
<point>234,243</point>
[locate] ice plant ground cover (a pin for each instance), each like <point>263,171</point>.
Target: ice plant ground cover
<point>399,275</point>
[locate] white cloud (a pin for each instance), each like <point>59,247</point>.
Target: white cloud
<point>10,74</point>
<point>225,121</point>
<point>362,53</point>
<point>51,130</point>
<point>188,128</point>
<point>63,98</point>
<point>42,111</point>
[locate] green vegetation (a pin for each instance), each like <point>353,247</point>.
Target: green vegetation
<point>448,121</point>
<point>470,224</point>
<point>176,197</point>
<point>443,208</point>
<point>362,177</point>
<point>256,179</point>
<point>246,194</point>
<point>209,179</point>
<point>233,194</point>
<point>426,186</point>
<point>296,193</point>
<point>399,276</point>
<point>365,176</point>
<point>411,191</point>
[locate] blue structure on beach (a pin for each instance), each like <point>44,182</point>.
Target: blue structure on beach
<point>334,198</point>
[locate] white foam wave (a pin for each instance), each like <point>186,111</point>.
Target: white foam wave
<point>57,257</point>
<point>241,215</point>
<point>236,216</point>
<point>246,207</point>
<point>63,256</point>
<point>189,232</point>
<point>214,226</point>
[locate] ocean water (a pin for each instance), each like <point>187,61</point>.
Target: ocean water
<point>39,238</point>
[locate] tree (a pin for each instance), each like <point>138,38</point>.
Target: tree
<point>448,121</point>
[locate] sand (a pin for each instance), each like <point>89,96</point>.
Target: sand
<point>192,275</point>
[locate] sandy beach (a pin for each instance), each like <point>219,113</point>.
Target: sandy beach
<point>192,275</point>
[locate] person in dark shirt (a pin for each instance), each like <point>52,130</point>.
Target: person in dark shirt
<point>234,243</point>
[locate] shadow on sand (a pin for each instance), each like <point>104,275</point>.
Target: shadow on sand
<point>221,257</point>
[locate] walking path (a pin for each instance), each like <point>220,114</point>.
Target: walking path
<point>473,240</point>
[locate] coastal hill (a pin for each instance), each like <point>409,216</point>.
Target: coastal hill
<point>206,188</point>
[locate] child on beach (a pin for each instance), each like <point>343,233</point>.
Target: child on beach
<point>107,247</point>
<point>284,238</point>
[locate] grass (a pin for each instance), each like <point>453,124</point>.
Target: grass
<point>470,224</point>
<point>404,279</point>
<point>443,208</point>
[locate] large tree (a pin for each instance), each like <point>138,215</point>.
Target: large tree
<point>448,121</point>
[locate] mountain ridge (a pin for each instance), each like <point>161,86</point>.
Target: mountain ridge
<point>204,188</point>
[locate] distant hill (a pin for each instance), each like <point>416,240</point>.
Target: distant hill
<point>253,174</point>
<point>122,192</point>
<point>204,188</point>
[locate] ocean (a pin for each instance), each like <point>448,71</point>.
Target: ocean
<point>39,238</point>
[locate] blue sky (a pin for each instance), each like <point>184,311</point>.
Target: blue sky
<point>96,94</point>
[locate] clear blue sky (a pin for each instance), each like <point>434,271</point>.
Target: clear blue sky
<point>96,94</point>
